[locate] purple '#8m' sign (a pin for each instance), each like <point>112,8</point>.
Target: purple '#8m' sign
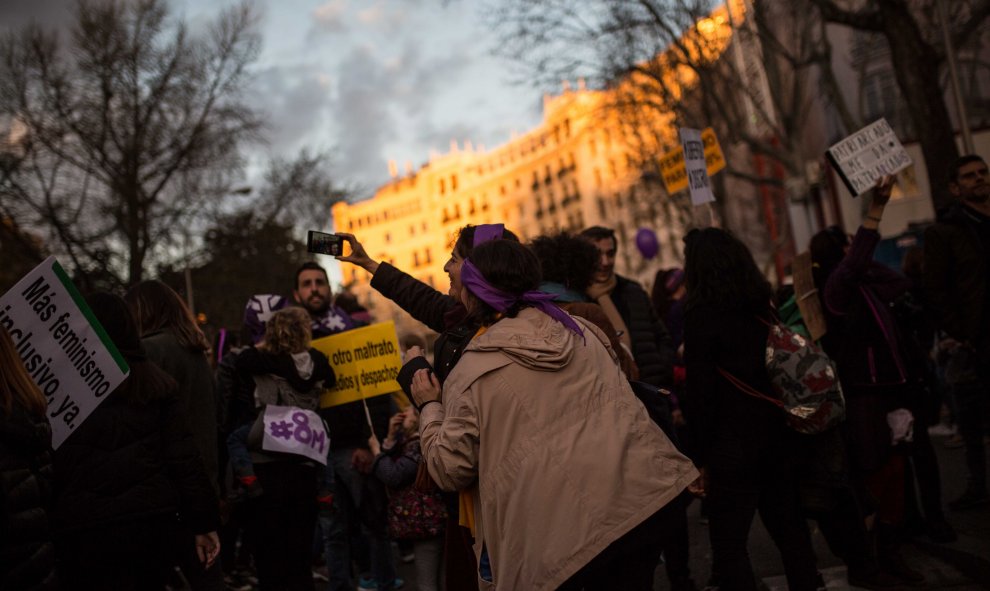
<point>292,430</point>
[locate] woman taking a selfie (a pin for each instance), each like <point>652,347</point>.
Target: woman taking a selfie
<point>546,439</point>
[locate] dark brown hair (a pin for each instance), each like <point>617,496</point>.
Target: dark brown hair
<point>156,307</point>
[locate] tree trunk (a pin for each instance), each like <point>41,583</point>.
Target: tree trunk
<point>916,67</point>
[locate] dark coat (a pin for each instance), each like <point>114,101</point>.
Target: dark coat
<point>438,311</point>
<point>878,366</point>
<point>956,277</point>
<point>651,345</point>
<point>864,338</point>
<point>133,458</point>
<point>190,369</point>
<point>27,557</point>
<point>719,413</point>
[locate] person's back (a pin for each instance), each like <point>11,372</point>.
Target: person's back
<point>552,428</point>
<point>127,471</point>
<point>27,559</point>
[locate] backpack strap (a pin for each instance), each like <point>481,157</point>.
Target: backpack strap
<point>747,389</point>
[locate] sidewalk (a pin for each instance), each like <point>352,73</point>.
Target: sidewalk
<point>962,565</point>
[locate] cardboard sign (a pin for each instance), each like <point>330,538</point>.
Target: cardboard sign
<point>366,361</point>
<point>64,349</point>
<point>699,184</point>
<point>867,155</point>
<point>806,296</point>
<point>293,430</point>
<point>672,163</point>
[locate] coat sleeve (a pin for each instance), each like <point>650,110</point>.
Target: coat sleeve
<point>701,366</point>
<point>421,301</point>
<point>842,285</point>
<point>449,437</point>
<point>198,503</point>
<point>938,282</point>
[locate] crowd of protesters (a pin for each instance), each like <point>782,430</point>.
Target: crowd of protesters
<point>552,438</point>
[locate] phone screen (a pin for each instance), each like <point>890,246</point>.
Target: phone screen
<point>323,243</point>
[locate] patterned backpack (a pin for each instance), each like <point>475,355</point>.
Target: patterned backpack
<point>804,380</point>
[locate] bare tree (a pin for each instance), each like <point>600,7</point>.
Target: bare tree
<point>126,126</point>
<point>917,54</point>
<point>746,69</point>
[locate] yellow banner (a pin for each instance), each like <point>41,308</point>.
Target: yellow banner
<point>365,360</point>
<point>672,163</point>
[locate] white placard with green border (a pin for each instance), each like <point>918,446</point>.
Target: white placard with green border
<point>63,347</point>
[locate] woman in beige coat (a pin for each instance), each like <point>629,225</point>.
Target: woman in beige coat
<point>573,477</point>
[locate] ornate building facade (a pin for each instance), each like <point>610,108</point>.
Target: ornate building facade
<point>572,171</point>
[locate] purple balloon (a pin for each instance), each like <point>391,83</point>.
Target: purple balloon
<point>647,243</point>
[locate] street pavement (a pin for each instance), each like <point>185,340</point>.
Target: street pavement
<point>962,565</point>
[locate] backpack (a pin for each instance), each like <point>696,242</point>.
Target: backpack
<point>804,380</point>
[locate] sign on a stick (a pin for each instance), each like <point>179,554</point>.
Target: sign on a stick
<point>672,169</point>
<point>62,345</point>
<point>366,361</point>
<point>868,154</point>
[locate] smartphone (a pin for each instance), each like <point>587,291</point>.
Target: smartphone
<point>323,243</point>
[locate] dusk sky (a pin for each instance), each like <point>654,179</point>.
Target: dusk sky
<point>369,80</point>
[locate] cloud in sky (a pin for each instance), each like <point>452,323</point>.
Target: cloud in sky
<point>371,79</point>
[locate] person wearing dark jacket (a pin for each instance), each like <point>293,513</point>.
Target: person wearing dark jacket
<point>743,446</point>
<point>629,308</point>
<point>27,556</point>
<point>284,371</point>
<point>445,314</point>
<point>957,282</point>
<point>173,341</point>
<point>130,486</point>
<point>881,374</point>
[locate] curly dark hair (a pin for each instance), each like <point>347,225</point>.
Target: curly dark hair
<point>720,273</point>
<point>566,259</point>
<point>506,265</point>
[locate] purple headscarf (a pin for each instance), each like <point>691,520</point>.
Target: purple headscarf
<point>485,232</point>
<point>472,279</point>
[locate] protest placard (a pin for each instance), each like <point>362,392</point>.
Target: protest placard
<point>672,163</point>
<point>64,349</point>
<point>695,166</point>
<point>293,430</point>
<point>867,155</point>
<point>806,296</point>
<point>365,360</point>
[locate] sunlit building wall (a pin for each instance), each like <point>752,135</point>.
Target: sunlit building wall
<point>569,173</point>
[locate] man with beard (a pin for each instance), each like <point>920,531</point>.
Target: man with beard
<point>312,292</point>
<point>630,311</point>
<point>356,500</point>
<point>957,282</point>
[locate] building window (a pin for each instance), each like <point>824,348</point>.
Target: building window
<point>388,238</point>
<point>429,257</point>
<point>412,229</point>
<point>453,182</point>
<point>415,259</point>
<point>443,186</point>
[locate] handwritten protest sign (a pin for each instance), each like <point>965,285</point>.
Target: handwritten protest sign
<point>672,168</point>
<point>867,155</point>
<point>697,169</point>
<point>293,430</point>
<point>64,349</point>
<point>365,360</point>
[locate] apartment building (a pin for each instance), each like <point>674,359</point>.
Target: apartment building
<point>572,171</point>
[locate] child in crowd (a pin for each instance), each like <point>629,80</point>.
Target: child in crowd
<point>416,511</point>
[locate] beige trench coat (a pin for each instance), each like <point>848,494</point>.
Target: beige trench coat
<point>566,458</point>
